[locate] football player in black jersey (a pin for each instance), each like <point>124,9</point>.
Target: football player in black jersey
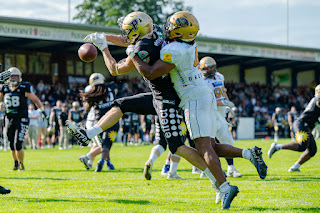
<point>278,121</point>
<point>15,95</point>
<point>54,123</point>
<point>76,116</point>
<point>302,128</point>
<point>292,116</point>
<point>4,76</point>
<point>98,101</point>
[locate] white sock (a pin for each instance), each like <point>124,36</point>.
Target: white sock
<point>153,156</point>
<point>173,167</point>
<point>246,154</point>
<point>278,146</point>
<point>88,155</point>
<point>208,173</point>
<point>225,187</point>
<point>95,130</point>
<point>167,162</point>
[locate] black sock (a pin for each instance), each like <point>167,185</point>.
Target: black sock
<point>229,161</point>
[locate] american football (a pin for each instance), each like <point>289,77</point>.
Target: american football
<point>87,52</point>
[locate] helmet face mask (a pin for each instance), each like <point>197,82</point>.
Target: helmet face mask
<point>182,25</point>
<point>15,77</point>
<point>135,26</point>
<point>208,66</point>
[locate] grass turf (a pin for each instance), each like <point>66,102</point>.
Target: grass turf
<point>56,181</point>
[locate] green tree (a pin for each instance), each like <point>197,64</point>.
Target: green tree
<point>107,12</point>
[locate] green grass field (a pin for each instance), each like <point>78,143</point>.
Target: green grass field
<point>56,181</point>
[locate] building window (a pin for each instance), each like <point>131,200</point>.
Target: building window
<point>9,61</point>
<point>79,68</point>
<point>88,68</point>
<point>21,62</point>
<point>70,67</point>
<point>39,64</point>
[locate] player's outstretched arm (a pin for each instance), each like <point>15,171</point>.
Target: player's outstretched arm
<point>158,69</point>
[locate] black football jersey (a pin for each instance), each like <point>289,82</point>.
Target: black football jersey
<point>293,116</point>
<point>57,113</point>
<point>148,49</point>
<point>63,117</point>
<point>135,119</point>
<point>311,115</point>
<point>279,119</point>
<point>16,100</point>
<point>102,102</point>
<point>76,115</point>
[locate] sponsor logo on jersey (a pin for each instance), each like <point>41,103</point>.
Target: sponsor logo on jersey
<point>217,84</point>
<point>112,135</point>
<point>301,136</point>
<point>167,57</point>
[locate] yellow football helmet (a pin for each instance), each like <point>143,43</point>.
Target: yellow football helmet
<point>208,66</point>
<point>182,25</point>
<point>134,26</point>
<point>317,90</point>
<point>96,78</point>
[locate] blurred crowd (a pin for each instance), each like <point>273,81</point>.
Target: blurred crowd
<point>251,100</point>
<point>260,101</point>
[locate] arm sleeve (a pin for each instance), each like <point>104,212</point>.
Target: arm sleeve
<point>170,55</point>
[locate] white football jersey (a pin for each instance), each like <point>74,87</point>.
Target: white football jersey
<point>216,84</point>
<point>186,76</point>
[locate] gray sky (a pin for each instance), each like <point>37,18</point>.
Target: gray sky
<point>249,20</point>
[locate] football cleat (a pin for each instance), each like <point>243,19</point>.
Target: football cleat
<point>147,170</point>
<point>4,190</point>
<point>232,172</point>
<point>257,160</point>
<point>21,167</point>
<point>85,160</point>
<point>110,166</point>
<point>203,175</point>
<point>229,196</point>
<point>195,170</point>
<point>173,176</point>
<point>78,132</point>
<point>99,167</point>
<point>293,169</point>
<point>272,150</point>
<point>165,169</point>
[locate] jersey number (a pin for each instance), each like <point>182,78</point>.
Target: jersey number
<point>196,58</point>
<point>12,101</point>
<point>218,92</point>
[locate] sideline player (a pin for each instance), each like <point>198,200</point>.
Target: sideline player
<point>215,80</point>
<point>278,121</point>
<point>4,76</point>
<point>15,95</point>
<point>292,116</point>
<point>302,128</point>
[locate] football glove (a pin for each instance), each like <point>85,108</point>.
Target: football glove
<point>227,103</point>
<point>130,51</point>
<point>98,39</point>
<point>4,76</point>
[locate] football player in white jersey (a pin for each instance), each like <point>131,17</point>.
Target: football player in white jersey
<point>180,58</point>
<point>215,80</point>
